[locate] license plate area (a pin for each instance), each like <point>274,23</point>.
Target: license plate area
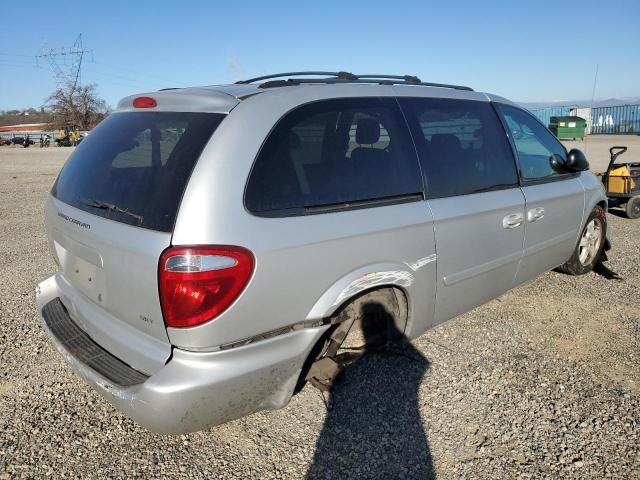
<point>82,268</point>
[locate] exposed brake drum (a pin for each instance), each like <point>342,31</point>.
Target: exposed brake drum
<point>370,322</point>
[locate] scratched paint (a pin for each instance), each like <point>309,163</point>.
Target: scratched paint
<point>421,262</point>
<point>370,280</point>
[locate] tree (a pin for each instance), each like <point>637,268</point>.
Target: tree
<point>77,106</point>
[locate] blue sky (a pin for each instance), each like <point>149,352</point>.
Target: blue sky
<point>525,50</point>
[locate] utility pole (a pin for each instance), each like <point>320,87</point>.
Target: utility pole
<point>57,59</point>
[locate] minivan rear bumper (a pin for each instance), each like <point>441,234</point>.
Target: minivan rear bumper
<point>194,390</point>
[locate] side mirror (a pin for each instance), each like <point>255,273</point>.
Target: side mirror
<point>576,161</point>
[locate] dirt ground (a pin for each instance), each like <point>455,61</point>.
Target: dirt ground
<point>543,382</point>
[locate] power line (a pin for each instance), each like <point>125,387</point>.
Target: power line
<point>103,78</point>
<point>18,64</point>
<point>15,55</point>
<point>56,57</point>
<point>17,60</point>
<point>100,77</point>
<point>120,68</point>
<point>132,79</point>
<point>21,65</point>
<point>128,85</point>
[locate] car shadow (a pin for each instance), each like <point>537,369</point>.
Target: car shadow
<point>604,271</point>
<point>618,212</point>
<point>373,427</point>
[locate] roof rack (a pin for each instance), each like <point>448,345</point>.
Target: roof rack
<point>344,77</point>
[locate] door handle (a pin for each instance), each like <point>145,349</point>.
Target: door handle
<point>535,214</point>
<point>512,221</point>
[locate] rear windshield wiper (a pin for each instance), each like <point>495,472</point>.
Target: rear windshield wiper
<point>111,207</point>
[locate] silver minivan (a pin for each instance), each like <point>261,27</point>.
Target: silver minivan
<point>216,246</point>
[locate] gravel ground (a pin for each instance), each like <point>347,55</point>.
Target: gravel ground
<point>542,382</point>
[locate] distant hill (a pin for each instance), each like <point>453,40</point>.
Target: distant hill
<point>33,116</point>
<point>610,102</point>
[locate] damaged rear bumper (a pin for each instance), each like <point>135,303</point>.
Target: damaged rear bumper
<point>195,390</point>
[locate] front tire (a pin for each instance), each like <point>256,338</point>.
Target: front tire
<point>590,245</point>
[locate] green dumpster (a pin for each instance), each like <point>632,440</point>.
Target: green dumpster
<point>568,128</point>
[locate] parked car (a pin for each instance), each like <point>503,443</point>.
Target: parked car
<point>4,141</point>
<point>22,141</point>
<point>215,245</point>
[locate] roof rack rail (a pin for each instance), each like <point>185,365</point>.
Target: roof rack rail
<point>344,77</point>
<point>405,78</point>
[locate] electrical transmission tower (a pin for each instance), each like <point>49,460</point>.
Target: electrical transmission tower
<point>66,72</point>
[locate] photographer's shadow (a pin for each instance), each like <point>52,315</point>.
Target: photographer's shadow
<point>373,427</point>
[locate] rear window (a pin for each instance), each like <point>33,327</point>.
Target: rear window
<point>133,168</point>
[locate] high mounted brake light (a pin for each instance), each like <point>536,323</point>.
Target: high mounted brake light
<point>144,102</point>
<point>198,283</point>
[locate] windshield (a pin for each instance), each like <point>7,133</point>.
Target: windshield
<point>133,168</point>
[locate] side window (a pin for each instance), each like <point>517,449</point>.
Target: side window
<point>537,147</point>
<point>333,153</point>
<point>463,147</point>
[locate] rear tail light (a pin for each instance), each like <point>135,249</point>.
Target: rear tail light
<point>198,283</point>
<point>144,102</point>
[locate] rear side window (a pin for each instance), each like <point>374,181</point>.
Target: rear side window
<point>334,154</point>
<point>537,147</point>
<point>133,168</point>
<point>462,145</point>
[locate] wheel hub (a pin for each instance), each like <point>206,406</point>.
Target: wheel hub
<point>590,242</point>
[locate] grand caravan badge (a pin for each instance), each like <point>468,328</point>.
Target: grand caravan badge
<point>74,220</point>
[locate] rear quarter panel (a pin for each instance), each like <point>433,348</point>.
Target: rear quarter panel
<point>303,264</point>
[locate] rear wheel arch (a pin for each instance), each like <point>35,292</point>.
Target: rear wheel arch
<point>395,299</point>
<point>383,299</point>
<point>359,282</point>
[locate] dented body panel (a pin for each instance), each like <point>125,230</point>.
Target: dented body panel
<point>196,390</point>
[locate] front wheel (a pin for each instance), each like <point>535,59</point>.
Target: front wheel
<point>633,207</point>
<point>590,246</point>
